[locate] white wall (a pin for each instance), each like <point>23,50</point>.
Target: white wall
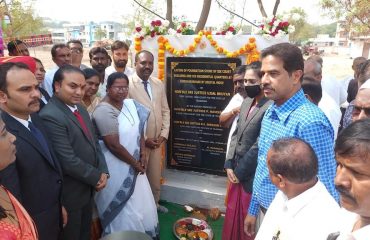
<point>356,48</point>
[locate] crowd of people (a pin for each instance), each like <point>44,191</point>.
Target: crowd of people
<point>81,147</point>
<point>281,164</point>
<point>89,144</point>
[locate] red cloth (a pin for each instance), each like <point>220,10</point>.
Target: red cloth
<point>26,230</point>
<point>82,123</point>
<point>236,211</point>
<point>29,61</point>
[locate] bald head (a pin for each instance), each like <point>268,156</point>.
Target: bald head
<point>313,69</point>
<point>294,159</point>
<point>363,72</point>
<point>316,58</point>
<point>356,63</point>
<point>361,107</point>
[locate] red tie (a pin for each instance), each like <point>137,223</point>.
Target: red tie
<point>82,123</point>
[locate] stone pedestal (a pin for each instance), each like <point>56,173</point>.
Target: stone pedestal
<point>193,188</point>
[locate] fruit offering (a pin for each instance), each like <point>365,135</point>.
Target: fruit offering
<point>192,229</point>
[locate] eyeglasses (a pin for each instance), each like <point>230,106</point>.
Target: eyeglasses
<point>76,50</point>
<point>357,111</point>
<point>118,88</point>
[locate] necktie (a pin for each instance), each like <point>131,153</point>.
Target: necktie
<point>44,93</point>
<point>146,88</point>
<point>82,123</point>
<point>40,138</point>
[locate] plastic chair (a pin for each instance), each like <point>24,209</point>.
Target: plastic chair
<point>127,235</point>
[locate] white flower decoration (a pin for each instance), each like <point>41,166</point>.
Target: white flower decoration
<point>291,29</point>
<point>229,35</point>
<point>171,31</point>
<point>165,23</point>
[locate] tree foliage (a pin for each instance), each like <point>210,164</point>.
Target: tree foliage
<point>24,21</point>
<point>303,30</point>
<point>354,15</point>
<point>100,34</point>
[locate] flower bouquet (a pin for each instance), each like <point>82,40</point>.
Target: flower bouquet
<point>276,27</point>
<point>151,29</point>
<point>182,29</point>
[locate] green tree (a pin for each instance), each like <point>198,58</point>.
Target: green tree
<point>327,29</point>
<point>100,34</point>
<point>354,15</point>
<point>303,30</point>
<point>140,15</point>
<point>24,21</point>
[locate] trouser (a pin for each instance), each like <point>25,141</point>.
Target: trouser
<point>79,223</point>
<point>154,171</point>
<point>260,217</point>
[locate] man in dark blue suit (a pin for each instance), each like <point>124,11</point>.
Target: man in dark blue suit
<point>35,178</point>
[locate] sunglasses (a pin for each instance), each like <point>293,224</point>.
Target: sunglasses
<point>357,110</point>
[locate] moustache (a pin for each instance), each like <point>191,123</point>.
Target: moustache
<point>266,86</point>
<point>343,192</point>
<point>34,102</point>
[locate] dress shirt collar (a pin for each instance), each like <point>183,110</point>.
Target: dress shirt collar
<point>73,109</point>
<point>142,81</point>
<point>283,111</point>
<point>22,121</point>
<point>297,203</point>
<point>362,233</point>
<point>349,219</point>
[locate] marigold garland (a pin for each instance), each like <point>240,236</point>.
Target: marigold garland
<point>249,49</point>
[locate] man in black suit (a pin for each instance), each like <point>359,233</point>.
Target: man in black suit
<point>241,159</point>
<point>35,178</point>
<point>76,146</point>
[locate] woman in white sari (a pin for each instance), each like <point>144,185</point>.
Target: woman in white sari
<point>126,203</point>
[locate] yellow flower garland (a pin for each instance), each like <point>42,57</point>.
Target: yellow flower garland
<point>249,49</point>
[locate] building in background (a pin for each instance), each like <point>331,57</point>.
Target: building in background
<point>88,33</point>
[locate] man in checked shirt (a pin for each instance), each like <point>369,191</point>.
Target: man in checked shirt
<point>291,115</point>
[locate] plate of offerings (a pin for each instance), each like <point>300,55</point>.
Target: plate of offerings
<point>192,229</point>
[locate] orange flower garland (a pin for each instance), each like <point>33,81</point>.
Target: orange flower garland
<point>249,49</point>
<point>137,43</point>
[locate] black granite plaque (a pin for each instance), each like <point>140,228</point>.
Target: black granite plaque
<point>198,90</point>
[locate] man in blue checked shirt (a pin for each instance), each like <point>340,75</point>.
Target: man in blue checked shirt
<point>291,115</point>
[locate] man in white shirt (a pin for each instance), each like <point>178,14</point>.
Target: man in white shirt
<point>353,180</point>
<point>61,55</point>
<point>303,208</point>
<point>77,53</point>
<point>330,85</point>
<point>120,57</point>
<point>327,104</point>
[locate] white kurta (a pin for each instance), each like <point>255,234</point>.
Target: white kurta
<point>349,219</point>
<point>311,215</point>
<point>236,101</point>
<point>332,111</point>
